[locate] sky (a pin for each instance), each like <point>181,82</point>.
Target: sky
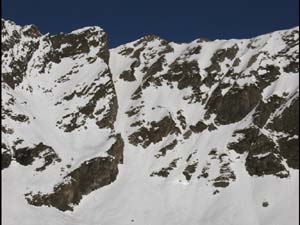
<point>177,20</point>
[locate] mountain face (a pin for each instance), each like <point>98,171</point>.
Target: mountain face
<point>151,132</point>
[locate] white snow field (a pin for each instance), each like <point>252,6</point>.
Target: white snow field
<point>70,93</point>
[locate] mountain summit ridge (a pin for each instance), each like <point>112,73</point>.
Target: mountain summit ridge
<point>149,131</point>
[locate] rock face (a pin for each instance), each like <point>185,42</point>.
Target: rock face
<point>26,156</point>
<point>234,105</point>
<point>57,90</point>
<point>208,114</point>
<point>89,176</point>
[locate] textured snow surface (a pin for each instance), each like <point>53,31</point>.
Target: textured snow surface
<point>136,197</point>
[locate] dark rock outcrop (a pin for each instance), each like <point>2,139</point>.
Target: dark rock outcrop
<point>26,156</point>
<point>89,176</point>
<point>155,133</point>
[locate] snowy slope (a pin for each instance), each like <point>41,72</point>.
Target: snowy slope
<point>151,132</point>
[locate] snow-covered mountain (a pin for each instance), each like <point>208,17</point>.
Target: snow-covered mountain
<point>151,132</point>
